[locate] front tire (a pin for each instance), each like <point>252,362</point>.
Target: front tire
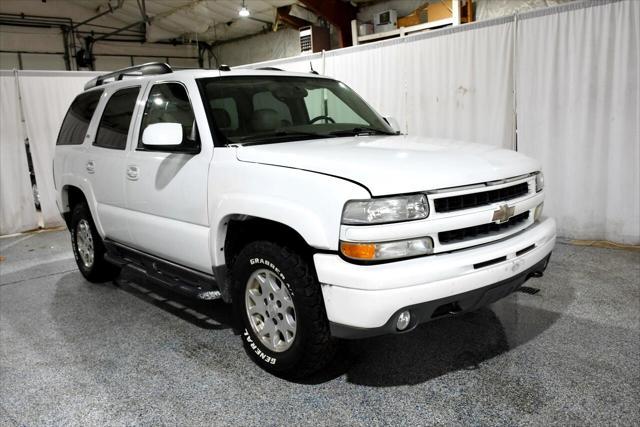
<point>278,298</point>
<point>88,248</point>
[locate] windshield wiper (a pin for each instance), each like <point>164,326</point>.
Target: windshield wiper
<point>360,131</point>
<point>251,139</point>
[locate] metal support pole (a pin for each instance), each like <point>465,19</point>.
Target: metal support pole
<point>65,41</point>
<point>119,30</point>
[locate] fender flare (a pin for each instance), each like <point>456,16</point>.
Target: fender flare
<point>84,186</point>
<point>300,219</point>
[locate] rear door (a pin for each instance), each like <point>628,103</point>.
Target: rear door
<point>166,187</point>
<point>70,157</point>
<point>105,165</point>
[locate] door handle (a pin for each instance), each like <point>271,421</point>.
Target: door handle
<point>132,172</point>
<point>91,166</point>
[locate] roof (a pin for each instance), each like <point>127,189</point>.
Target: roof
<point>126,74</point>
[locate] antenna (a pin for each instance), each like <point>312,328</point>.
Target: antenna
<point>312,70</point>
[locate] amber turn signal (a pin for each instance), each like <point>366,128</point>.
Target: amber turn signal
<point>364,251</point>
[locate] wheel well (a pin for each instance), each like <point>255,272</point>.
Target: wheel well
<point>71,196</point>
<point>244,230</point>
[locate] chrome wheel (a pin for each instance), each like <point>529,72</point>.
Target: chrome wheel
<point>84,242</point>
<point>270,310</point>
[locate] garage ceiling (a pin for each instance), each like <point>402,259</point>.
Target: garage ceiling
<point>204,20</point>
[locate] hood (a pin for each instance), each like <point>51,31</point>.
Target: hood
<point>395,164</point>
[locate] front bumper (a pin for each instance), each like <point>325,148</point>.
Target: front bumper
<point>363,300</point>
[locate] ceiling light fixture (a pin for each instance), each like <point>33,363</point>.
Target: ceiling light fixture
<point>244,12</point>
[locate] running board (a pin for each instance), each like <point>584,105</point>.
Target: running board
<point>173,276</point>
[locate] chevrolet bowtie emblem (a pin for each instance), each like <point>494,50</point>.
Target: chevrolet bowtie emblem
<point>503,213</point>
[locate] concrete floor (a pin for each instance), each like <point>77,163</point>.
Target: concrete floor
<point>75,353</point>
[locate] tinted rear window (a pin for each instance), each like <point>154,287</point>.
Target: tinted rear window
<point>116,118</point>
<point>76,122</point>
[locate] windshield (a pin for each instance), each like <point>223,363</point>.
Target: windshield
<point>267,109</point>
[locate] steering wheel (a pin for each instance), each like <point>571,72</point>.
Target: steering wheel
<point>326,119</point>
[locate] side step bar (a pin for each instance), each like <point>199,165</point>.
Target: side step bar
<point>176,277</point>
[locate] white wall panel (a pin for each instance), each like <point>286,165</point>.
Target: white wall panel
<point>36,61</point>
<point>139,60</point>
<point>9,61</point>
<point>185,63</point>
<point>111,63</point>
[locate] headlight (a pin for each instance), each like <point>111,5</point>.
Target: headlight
<point>539,181</point>
<point>388,209</point>
<point>387,250</point>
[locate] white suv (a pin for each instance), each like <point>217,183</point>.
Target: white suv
<point>288,196</point>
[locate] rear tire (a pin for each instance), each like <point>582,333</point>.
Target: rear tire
<point>88,248</point>
<point>279,301</point>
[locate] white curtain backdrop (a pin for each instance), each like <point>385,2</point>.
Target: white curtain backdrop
<point>460,86</point>
<point>46,96</point>
<point>17,208</point>
<point>376,73</point>
<point>578,104</point>
<point>576,95</point>
<point>298,64</point>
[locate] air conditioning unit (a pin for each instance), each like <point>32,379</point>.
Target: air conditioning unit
<point>385,21</point>
<point>313,39</point>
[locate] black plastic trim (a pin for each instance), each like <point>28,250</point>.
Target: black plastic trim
<point>166,273</point>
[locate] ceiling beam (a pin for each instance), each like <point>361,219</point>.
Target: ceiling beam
<point>338,13</point>
<point>292,21</point>
<point>118,31</point>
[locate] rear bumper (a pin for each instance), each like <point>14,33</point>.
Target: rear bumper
<point>365,300</point>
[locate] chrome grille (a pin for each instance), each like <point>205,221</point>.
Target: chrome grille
<point>479,231</point>
<point>483,198</point>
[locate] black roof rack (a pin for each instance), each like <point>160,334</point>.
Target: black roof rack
<point>139,70</point>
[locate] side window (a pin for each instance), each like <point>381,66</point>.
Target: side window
<point>225,114</point>
<point>116,118</point>
<point>76,122</point>
<point>266,103</point>
<point>169,103</point>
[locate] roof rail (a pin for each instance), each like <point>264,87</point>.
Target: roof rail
<point>269,69</point>
<point>139,70</point>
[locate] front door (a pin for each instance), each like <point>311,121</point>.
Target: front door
<point>166,190</point>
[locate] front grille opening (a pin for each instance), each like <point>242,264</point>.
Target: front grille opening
<point>472,200</point>
<point>479,231</point>
<point>490,262</point>
<point>525,250</point>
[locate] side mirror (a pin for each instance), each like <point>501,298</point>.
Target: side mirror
<point>162,134</point>
<point>391,121</point>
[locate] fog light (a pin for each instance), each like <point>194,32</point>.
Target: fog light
<point>403,320</point>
